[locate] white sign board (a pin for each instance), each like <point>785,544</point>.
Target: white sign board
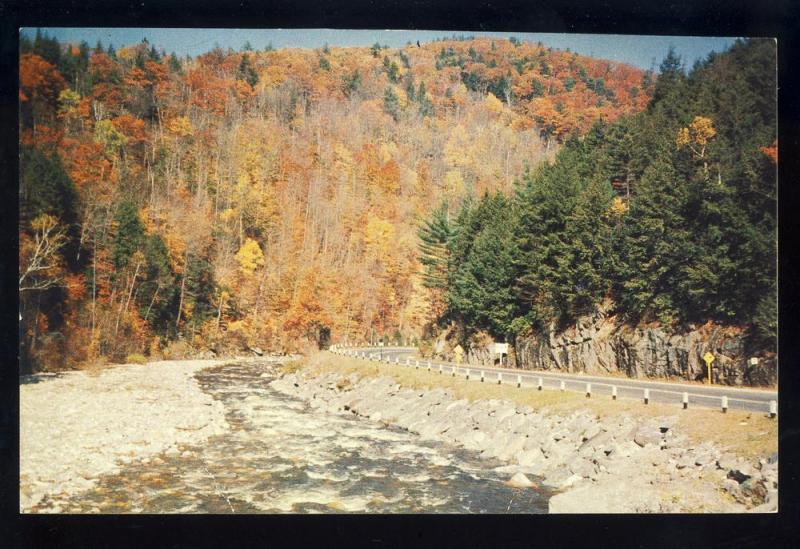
<point>500,348</point>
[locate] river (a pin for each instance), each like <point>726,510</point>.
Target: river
<point>282,456</point>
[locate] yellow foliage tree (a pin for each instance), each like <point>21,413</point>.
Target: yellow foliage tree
<point>493,104</point>
<point>378,236</point>
<point>249,257</point>
<point>454,183</point>
<point>180,126</point>
<point>697,135</point>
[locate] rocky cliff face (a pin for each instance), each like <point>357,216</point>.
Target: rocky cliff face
<point>600,343</point>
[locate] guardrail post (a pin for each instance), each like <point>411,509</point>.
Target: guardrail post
<point>563,385</point>
<point>724,404</point>
<point>685,400</point>
<point>613,392</point>
<point>539,385</point>
<point>588,390</point>
<point>481,376</point>
<point>773,408</point>
<point>519,381</point>
<point>646,396</point>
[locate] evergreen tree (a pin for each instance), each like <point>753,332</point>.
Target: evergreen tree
<point>46,188</point>
<point>199,291</point>
<point>546,200</point>
<point>436,235</point>
<point>585,259</point>
<point>48,48</point>
<point>656,244</point>
<point>352,83</point>
<point>409,86</point>
<point>159,293</point>
<point>391,106</point>
<point>482,293</point>
<point>175,64</point>
<point>129,234</point>
<point>246,71</point>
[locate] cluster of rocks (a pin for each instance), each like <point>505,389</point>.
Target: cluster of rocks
<point>626,465</point>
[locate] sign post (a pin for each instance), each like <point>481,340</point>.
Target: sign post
<point>709,358</point>
<point>500,349</point>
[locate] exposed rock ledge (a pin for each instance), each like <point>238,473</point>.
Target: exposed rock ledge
<point>600,343</point>
<point>627,466</point>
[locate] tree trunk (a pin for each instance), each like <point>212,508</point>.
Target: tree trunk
<point>94,284</point>
<point>124,309</point>
<point>219,310</point>
<point>151,302</point>
<point>183,285</point>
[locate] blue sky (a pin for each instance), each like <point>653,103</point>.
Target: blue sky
<point>641,51</point>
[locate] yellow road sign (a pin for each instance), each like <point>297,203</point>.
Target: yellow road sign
<point>709,358</point>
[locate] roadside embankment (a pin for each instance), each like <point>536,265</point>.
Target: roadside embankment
<point>604,457</point>
<point>78,425</point>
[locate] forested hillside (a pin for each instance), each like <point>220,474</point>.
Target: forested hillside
<point>269,197</point>
<point>669,214</point>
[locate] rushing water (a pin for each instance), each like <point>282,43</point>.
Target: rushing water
<point>281,456</point>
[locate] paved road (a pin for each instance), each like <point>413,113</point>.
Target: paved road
<point>754,400</point>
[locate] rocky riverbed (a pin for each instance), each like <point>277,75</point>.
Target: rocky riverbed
<point>215,437</point>
<point>77,426</point>
<point>627,465</point>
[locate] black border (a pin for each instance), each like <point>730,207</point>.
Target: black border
<point>678,17</point>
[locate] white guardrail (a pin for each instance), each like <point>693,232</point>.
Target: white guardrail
<point>382,356</point>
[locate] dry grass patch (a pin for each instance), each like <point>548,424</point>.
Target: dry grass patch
<point>749,434</point>
<point>293,365</point>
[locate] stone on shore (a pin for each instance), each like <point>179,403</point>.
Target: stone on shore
<point>519,480</point>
